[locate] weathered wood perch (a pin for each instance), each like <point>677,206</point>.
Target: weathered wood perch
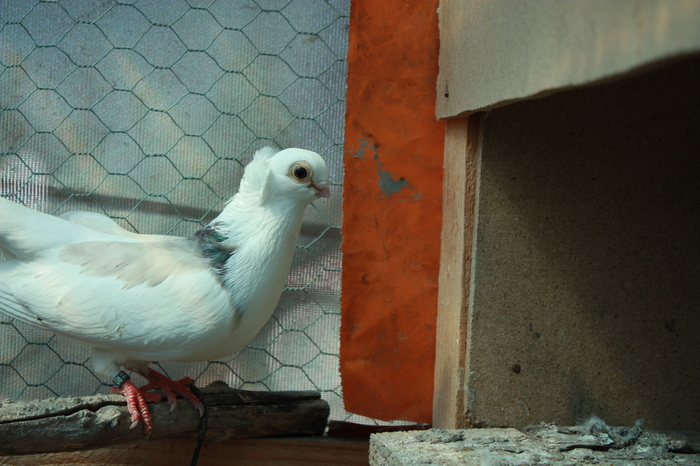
<point>63,424</point>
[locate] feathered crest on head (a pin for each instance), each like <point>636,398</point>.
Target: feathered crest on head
<point>257,172</point>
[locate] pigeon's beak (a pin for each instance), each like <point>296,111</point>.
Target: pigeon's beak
<point>323,188</point>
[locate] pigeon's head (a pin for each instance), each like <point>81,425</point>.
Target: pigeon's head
<point>292,174</point>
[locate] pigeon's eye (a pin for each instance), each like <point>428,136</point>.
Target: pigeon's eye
<point>301,172</point>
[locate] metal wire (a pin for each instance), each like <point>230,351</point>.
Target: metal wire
<point>147,111</point>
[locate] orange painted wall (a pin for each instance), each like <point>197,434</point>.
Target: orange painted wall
<point>392,210</point>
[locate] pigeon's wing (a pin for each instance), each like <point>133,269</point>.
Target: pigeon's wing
<point>98,222</point>
<point>25,232</point>
<point>105,225</point>
<point>151,301</point>
<point>134,263</point>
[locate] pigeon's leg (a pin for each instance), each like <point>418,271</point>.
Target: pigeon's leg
<point>158,381</point>
<point>136,400</point>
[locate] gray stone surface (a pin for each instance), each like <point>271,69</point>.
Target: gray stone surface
<point>591,443</point>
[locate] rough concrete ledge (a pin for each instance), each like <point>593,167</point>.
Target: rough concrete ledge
<point>591,443</point>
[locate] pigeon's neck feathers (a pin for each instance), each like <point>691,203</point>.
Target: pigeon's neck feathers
<point>246,216</point>
<point>261,225</point>
<point>262,239</point>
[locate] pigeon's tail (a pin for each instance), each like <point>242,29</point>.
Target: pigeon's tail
<point>25,232</point>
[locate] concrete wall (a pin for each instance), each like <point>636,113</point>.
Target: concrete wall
<point>586,276</point>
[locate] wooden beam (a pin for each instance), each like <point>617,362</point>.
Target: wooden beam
<point>62,424</point>
<point>299,451</point>
<point>459,197</point>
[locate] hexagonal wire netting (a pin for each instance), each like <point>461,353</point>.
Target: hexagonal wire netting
<point>147,111</point>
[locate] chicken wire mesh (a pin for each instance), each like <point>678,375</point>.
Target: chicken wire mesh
<point>147,111</point>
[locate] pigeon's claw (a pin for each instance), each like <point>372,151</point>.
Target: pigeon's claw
<point>136,400</point>
<point>137,397</point>
<point>158,381</point>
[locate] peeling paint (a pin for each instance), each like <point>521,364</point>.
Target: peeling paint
<point>387,182</point>
<point>361,150</point>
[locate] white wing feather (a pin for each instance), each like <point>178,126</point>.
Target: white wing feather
<point>25,232</point>
<point>162,309</point>
<point>97,222</point>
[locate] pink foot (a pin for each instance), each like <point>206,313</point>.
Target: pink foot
<point>137,397</point>
<point>158,381</point>
<point>136,400</point>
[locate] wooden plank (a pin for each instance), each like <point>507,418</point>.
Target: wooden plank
<point>80,423</point>
<point>502,51</point>
<point>239,452</point>
<point>391,211</point>
<point>459,196</point>
<point>585,296</point>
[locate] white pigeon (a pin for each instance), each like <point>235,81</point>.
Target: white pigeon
<point>136,298</point>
